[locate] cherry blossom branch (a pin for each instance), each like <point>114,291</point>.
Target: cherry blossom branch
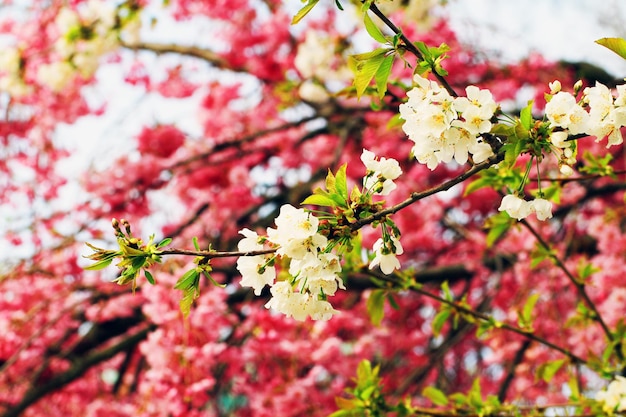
<point>416,196</point>
<point>409,46</point>
<point>214,254</point>
<point>580,287</point>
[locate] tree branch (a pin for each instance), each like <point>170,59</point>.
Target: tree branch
<point>76,371</point>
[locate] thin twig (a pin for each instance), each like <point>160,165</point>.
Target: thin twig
<point>409,46</point>
<point>580,287</point>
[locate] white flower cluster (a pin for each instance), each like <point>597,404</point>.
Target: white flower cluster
<point>380,173</point>
<point>614,398</point>
<point>519,208</point>
<point>444,127</point>
<point>317,61</point>
<point>604,118</point>
<point>11,80</point>
<point>313,268</point>
<point>85,35</point>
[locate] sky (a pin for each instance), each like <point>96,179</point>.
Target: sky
<point>558,29</point>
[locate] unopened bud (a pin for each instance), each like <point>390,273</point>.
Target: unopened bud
<point>578,86</point>
<point>568,152</point>
<point>126,225</point>
<point>555,86</point>
<point>566,170</point>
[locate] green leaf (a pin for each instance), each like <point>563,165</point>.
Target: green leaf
<point>475,396</point>
<point>439,320</point>
<point>526,116</point>
<point>339,6</point>
<point>527,310</point>
<point>435,395</point>
<point>423,48</point>
<point>304,11</point>
<point>392,302</point>
<point>365,67</point>
<point>617,45</point>
<point>149,277</point>
<point>539,254</point>
<point>187,301</point>
<point>375,306</point>
<point>195,243</point>
<point>341,182</point>
<point>187,280</point>
<point>586,269</point>
<point>364,371</point>
<point>498,224</point>
<point>382,75</point>
<point>319,200</point>
<point>447,294</point>
<point>164,242</point>
<point>330,182</point>
<point>372,29</point>
<point>547,370</point>
<point>100,264</point>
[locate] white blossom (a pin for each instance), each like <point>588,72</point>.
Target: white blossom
<point>515,207</point>
<point>254,273</point>
<point>56,75</point>
<point>559,139</point>
<point>440,133</point>
<point>385,255</point>
<point>380,173</point>
<point>563,111</point>
<point>605,120</point>
<point>614,397</point>
<point>555,86</point>
<point>313,92</point>
<point>542,208</point>
<point>292,224</point>
<point>298,305</point>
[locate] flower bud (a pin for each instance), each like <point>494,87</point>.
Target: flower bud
<point>566,170</point>
<point>555,86</point>
<point>578,86</point>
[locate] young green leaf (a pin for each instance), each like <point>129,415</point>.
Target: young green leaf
<point>372,29</point>
<point>498,225</point>
<point>365,66</point>
<point>319,200</point>
<point>435,395</point>
<point>100,264</point>
<point>527,310</point>
<point>304,11</point>
<point>526,116</point>
<point>547,370</point>
<point>187,280</point>
<point>341,182</point>
<point>375,306</point>
<point>439,320</point>
<point>382,75</point>
<point>617,45</point>
<point>149,277</point>
<point>164,242</point>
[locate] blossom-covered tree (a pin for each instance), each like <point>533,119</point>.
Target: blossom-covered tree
<point>360,219</point>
